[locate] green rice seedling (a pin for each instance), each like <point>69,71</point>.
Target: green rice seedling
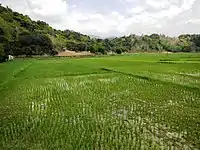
<point>133,103</point>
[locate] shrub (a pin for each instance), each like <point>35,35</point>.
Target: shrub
<point>118,51</point>
<point>2,54</point>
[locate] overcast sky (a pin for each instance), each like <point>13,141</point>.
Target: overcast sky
<point>114,17</point>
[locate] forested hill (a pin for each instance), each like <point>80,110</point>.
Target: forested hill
<point>19,35</point>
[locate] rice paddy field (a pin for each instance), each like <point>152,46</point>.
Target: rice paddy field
<point>137,101</point>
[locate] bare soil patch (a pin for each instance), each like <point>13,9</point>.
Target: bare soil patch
<point>73,53</point>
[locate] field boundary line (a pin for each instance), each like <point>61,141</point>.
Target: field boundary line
<point>68,75</point>
<point>21,70</point>
<point>148,78</point>
<point>15,74</point>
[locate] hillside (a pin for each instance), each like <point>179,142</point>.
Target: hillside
<point>20,35</point>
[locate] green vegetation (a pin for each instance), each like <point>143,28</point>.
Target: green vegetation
<point>138,101</point>
<point>19,35</point>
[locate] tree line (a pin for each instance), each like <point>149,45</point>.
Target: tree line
<point>19,35</point>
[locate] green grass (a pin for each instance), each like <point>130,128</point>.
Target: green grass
<point>139,101</point>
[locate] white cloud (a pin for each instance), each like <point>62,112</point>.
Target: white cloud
<point>158,3</point>
<point>136,10</point>
<point>193,21</point>
<point>48,8</point>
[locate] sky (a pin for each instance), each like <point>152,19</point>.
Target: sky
<point>106,18</point>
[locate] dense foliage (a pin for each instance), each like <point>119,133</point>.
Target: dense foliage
<point>155,42</point>
<point>19,35</point>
